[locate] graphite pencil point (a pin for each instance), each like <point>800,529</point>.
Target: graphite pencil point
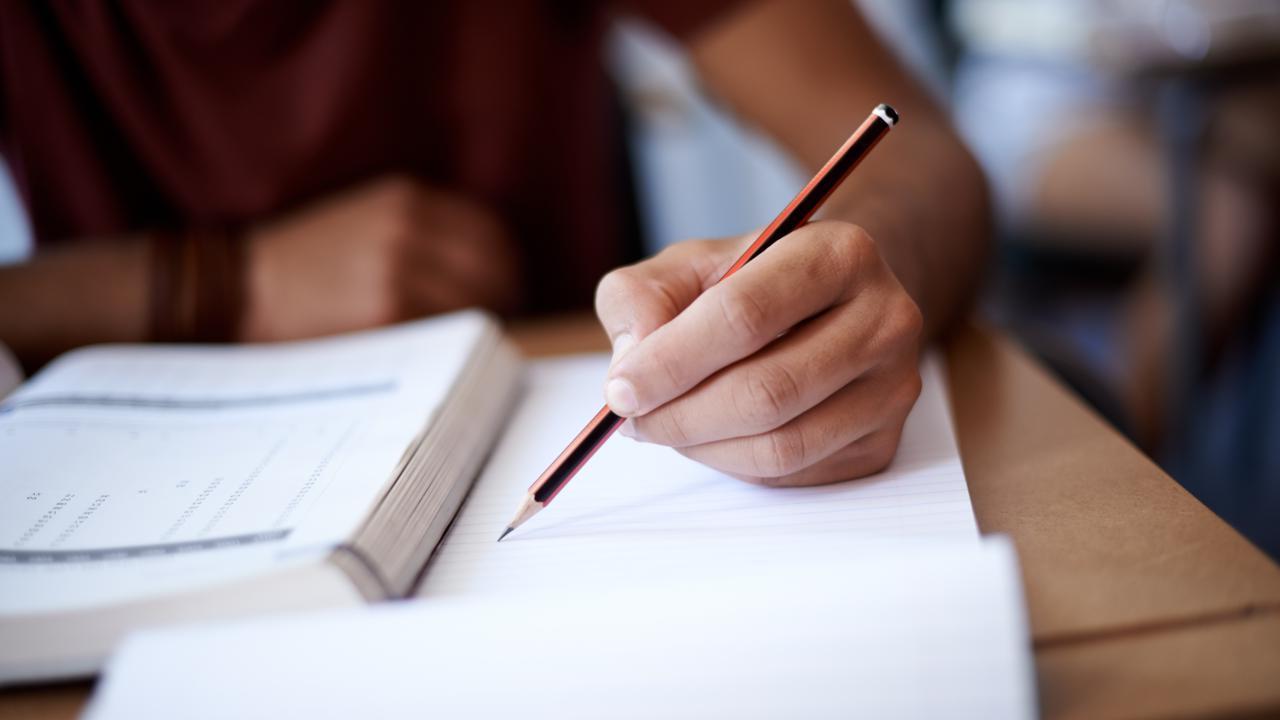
<point>505,533</point>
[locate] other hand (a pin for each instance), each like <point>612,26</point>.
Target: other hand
<point>386,251</point>
<point>799,369</point>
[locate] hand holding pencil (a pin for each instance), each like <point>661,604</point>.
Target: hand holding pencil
<point>795,366</point>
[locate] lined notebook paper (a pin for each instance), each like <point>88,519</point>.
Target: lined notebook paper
<point>635,507</point>
<point>652,587</point>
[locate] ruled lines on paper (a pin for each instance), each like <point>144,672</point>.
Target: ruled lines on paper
<point>640,508</point>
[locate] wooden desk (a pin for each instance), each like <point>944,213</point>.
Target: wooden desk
<point>1142,602</point>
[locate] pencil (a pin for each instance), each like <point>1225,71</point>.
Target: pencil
<point>797,213</point>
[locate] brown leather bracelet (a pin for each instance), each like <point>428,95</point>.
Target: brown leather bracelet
<point>219,284</point>
<point>164,266</point>
<point>197,286</point>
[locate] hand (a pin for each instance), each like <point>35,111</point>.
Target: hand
<point>386,251</point>
<point>799,369</point>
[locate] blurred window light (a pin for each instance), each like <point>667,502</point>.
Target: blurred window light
<point>15,232</point>
<point>1186,30</point>
<point>1024,28</point>
<point>1122,35</point>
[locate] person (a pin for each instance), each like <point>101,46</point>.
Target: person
<point>258,171</point>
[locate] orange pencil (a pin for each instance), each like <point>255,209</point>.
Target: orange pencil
<point>797,213</point>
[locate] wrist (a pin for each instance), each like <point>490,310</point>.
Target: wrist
<point>73,295</point>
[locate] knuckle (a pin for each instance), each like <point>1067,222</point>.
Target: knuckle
<point>616,284</point>
<point>476,221</point>
<point>911,389</point>
<point>770,392</point>
<point>398,220</point>
<point>398,231</point>
<point>671,429</point>
<point>386,308</point>
<point>398,191</point>
<point>850,246</point>
<point>383,272</point>
<point>859,238</point>
<point>743,315</point>
<point>908,319</point>
<point>607,287</point>
<point>881,451</point>
<point>778,454</point>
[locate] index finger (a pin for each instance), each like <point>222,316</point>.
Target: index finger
<point>803,274</point>
<point>633,301</point>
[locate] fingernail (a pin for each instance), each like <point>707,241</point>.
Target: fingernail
<point>628,428</point>
<point>621,396</point>
<point>621,345</point>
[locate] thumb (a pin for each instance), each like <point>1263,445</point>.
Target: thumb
<point>635,300</point>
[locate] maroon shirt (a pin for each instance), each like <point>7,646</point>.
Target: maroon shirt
<point>127,116</point>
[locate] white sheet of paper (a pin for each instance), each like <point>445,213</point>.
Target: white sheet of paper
<point>635,508</point>
<point>924,629</point>
<point>652,587</point>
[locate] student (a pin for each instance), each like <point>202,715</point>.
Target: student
<point>251,171</point>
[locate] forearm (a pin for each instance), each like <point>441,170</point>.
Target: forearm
<point>64,298</point>
<point>807,72</point>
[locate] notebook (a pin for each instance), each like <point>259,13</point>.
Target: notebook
<point>166,485</point>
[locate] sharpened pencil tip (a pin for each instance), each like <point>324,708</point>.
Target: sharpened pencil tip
<point>505,533</point>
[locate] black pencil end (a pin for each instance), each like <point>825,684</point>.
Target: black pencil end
<point>505,533</point>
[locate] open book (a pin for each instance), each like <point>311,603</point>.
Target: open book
<point>149,486</point>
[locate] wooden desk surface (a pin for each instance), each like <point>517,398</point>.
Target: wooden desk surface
<point>1142,602</point>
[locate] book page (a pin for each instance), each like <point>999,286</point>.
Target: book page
<point>635,508</point>
<point>920,629</point>
<point>128,471</point>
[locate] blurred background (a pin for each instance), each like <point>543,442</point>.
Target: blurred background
<point>1133,147</point>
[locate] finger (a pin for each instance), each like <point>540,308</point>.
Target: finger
<point>462,238</point>
<point>863,408</point>
<point>482,265</point>
<point>633,301</point>
<point>432,289</point>
<point>795,373</point>
<point>869,455</point>
<point>805,273</point>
